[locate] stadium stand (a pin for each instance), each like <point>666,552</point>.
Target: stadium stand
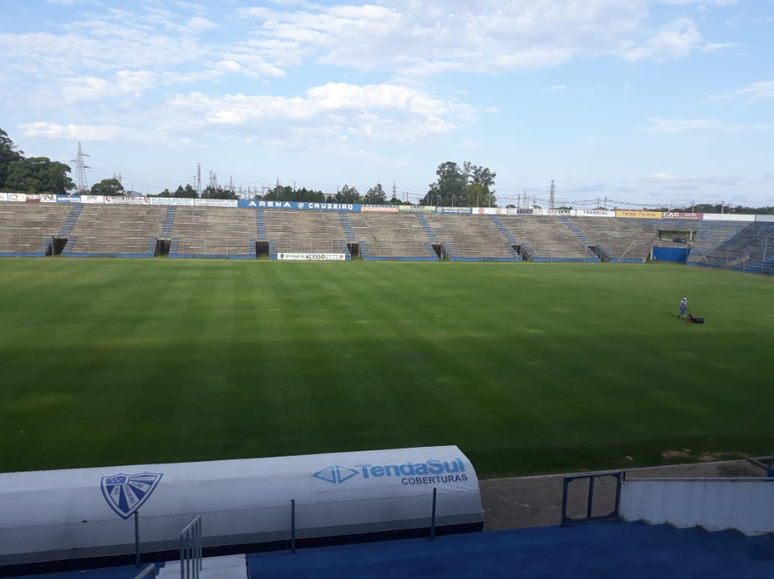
<point>305,231</point>
<point>391,236</point>
<point>709,238</point>
<point>471,238</point>
<point>115,231</point>
<point>547,238</point>
<point>213,232</point>
<point>619,240</point>
<point>27,229</point>
<point>608,549</point>
<point>747,250</point>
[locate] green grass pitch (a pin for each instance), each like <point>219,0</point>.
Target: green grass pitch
<point>529,368</point>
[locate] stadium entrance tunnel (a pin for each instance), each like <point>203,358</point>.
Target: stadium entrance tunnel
<point>354,249</point>
<point>57,245</point>
<point>438,249</point>
<point>162,246</point>
<point>261,248</point>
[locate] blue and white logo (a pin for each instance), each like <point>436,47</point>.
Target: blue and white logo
<point>125,493</point>
<point>335,474</point>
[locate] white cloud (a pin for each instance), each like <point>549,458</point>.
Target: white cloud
<point>556,87</point>
<point>73,131</point>
<point>384,111</point>
<point>659,125</point>
<point>93,88</point>
<point>752,92</point>
<point>713,46</point>
<point>200,24</point>
<point>676,39</point>
<point>682,182</point>
<point>437,36</point>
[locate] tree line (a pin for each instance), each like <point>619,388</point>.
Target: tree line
<point>465,185</point>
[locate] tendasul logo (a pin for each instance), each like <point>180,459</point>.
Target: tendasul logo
<point>335,474</point>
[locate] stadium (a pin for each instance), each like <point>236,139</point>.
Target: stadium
<point>285,410</point>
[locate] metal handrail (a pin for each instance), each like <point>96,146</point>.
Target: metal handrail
<point>191,549</point>
<point>149,571</point>
<point>566,520</point>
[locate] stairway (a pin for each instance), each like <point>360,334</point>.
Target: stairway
<point>580,235</point>
<point>69,223</point>
<point>260,224</point>
<point>592,551</point>
<point>427,229</point>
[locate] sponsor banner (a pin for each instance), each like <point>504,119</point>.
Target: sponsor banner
<point>3,196</point>
<point>379,208</point>
<point>311,256</point>
<point>69,199</point>
<point>517,211</point>
<point>557,212</point>
<point>593,213</point>
<point>765,218</point>
<point>728,217</point>
<point>48,198</point>
<point>171,201</point>
<point>92,199</point>
<point>459,210</point>
<point>636,214</point>
<point>215,202</point>
<point>300,205</point>
<point>126,200</point>
<point>32,199</point>
<point>416,209</point>
<point>17,197</point>
<point>489,211</point>
<point>677,215</point>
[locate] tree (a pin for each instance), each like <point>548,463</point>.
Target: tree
<point>39,175</point>
<point>218,193</point>
<point>471,185</point>
<point>187,192</point>
<point>348,194</point>
<point>375,195</point>
<point>449,189</point>
<point>108,187</point>
<point>8,155</point>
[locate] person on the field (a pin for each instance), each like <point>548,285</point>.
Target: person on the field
<point>683,307</point>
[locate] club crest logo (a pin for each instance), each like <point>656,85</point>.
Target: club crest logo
<point>125,493</point>
<point>335,474</point>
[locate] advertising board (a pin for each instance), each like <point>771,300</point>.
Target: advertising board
<point>311,257</point>
<point>636,214</point>
<point>679,215</point>
<point>379,208</point>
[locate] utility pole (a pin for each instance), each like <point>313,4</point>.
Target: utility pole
<point>394,190</point>
<point>199,179</point>
<point>722,204</point>
<point>80,171</point>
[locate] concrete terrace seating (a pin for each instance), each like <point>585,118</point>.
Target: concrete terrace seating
<point>470,236</point>
<point>710,236</point>
<point>391,235</point>
<point>24,227</point>
<point>213,232</point>
<point>627,240</point>
<point>748,250</point>
<point>305,231</point>
<point>108,230</point>
<point>548,238</point>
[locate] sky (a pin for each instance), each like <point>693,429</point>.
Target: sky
<point>637,102</point>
